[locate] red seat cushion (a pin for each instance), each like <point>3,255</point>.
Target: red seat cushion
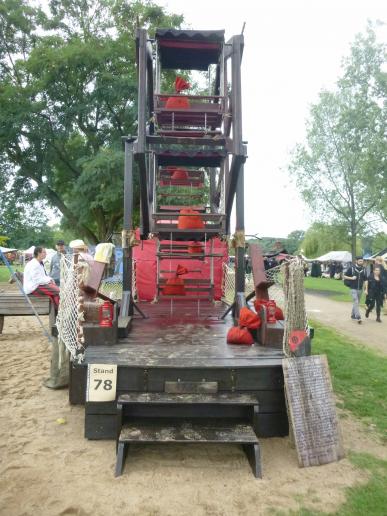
<point>177,103</point>
<point>174,287</point>
<point>194,221</point>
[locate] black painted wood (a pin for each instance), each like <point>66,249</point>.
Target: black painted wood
<point>105,426</point>
<point>186,431</point>
<point>173,399</point>
<point>77,384</point>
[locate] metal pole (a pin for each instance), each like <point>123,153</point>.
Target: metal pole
<point>127,300</point>
<point>240,231</point>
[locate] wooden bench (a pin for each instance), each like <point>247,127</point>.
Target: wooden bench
<point>15,304</point>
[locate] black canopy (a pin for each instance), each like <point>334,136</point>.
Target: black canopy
<point>189,49</point>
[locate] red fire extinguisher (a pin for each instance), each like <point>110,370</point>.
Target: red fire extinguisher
<point>270,311</point>
<point>106,314</point>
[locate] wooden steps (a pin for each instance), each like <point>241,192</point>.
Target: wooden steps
<point>163,430</point>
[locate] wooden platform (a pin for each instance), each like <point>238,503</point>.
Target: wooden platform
<point>183,342</point>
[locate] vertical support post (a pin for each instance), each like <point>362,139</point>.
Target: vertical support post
<point>142,88</point>
<point>240,234</point>
<point>127,298</point>
<point>236,95</point>
<point>212,172</point>
<point>212,268</point>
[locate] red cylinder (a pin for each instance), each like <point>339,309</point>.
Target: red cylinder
<point>106,314</point>
<point>270,311</point>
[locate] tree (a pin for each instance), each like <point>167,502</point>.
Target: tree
<point>342,168</point>
<point>67,96</point>
<point>293,241</point>
<point>321,238</point>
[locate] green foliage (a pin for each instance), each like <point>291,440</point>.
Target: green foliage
<point>342,170</point>
<point>293,241</point>
<point>67,96</point>
<point>321,238</point>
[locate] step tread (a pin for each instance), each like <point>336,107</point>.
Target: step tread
<point>178,399</point>
<point>188,431</point>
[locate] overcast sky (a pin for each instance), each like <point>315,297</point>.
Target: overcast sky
<point>293,49</point>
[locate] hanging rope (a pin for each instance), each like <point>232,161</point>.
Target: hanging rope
<point>295,313</point>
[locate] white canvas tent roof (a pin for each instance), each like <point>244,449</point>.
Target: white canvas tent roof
<point>7,250</point>
<point>335,256</point>
<point>382,253</point>
<point>49,253</point>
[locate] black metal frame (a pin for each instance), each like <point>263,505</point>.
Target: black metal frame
<point>146,147</point>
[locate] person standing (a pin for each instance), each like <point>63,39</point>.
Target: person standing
<point>376,291</point>
<point>354,278</point>
<point>55,261</point>
<point>36,281</point>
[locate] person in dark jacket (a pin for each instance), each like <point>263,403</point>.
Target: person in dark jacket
<point>354,278</point>
<point>376,292</point>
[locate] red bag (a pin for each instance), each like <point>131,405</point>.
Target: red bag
<point>279,315</point>
<point>194,221</point>
<point>195,248</point>
<point>258,303</point>
<point>248,319</point>
<point>238,335</point>
<point>180,270</point>
<point>180,173</point>
<point>174,287</point>
<point>181,84</point>
<point>177,103</point>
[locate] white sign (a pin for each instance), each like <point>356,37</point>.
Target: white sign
<point>101,382</point>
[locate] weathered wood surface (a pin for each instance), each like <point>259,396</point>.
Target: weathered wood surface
<point>182,333</point>
<point>312,410</point>
<point>261,284</point>
<point>172,399</point>
<point>178,431</point>
<point>14,303</point>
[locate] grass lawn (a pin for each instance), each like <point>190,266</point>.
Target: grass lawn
<point>4,272</point>
<point>359,379</point>
<point>359,376</point>
<point>335,289</point>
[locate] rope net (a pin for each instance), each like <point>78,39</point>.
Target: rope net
<point>69,316</point>
<point>273,275</point>
<point>71,313</point>
<point>295,313</point>
<point>112,287</point>
<point>287,290</point>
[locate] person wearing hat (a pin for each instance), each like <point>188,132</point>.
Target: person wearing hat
<point>354,278</point>
<point>55,261</point>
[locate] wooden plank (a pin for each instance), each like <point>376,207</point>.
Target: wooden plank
<point>77,384</point>
<point>165,430</point>
<point>180,387</point>
<point>312,410</point>
<point>101,426</point>
<point>261,283</point>
<point>173,399</point>
<point>272,424</point>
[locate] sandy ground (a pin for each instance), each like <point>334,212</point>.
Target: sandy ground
<point>48,468</point>
<point>338,315</point>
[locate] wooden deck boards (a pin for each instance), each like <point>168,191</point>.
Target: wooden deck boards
<point>182,333</point>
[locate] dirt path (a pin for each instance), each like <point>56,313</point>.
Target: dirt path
<point>47,468</point>
<point>337,314</point>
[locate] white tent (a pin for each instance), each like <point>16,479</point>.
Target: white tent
<point>49,253</point>
<point>7,250</point>
<point>335,256</point>
<point>382,253</point>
